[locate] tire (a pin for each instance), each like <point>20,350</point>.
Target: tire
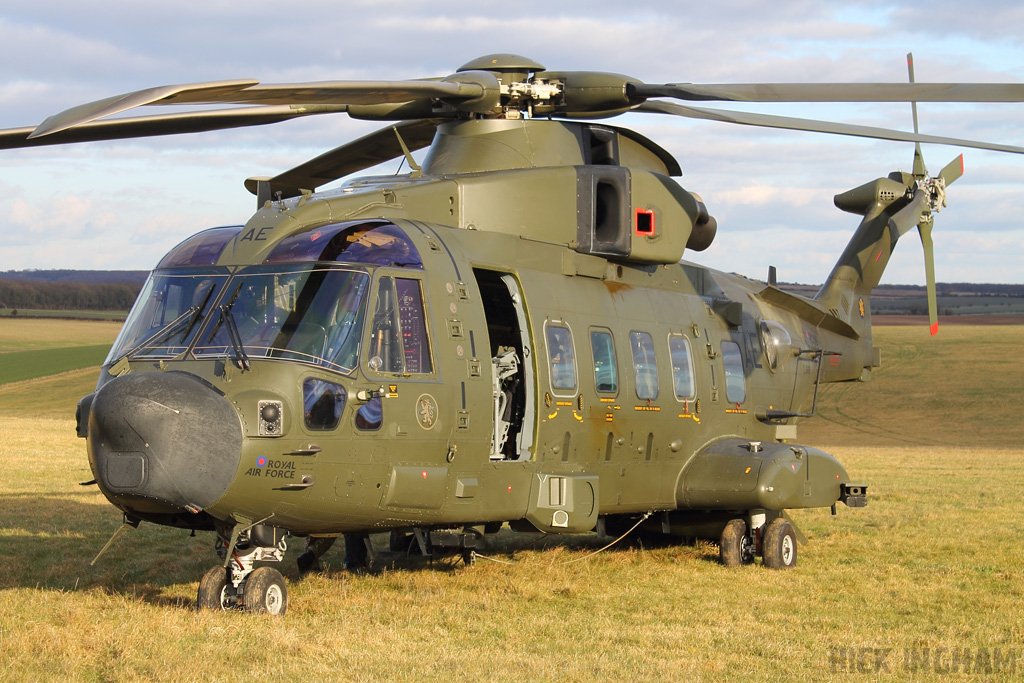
<point>214,590</point>
<point>734,545</point>
<point>265,592</point>
<point>779,544</point>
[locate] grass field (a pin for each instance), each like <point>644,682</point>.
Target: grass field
<point>36,348</point>
<point>24,334</point>
<point>928,574</point>
<point>74,315</point>
<point>18,366</point>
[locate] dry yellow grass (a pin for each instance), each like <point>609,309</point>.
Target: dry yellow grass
<point>932,563</point>
<point>964,387</point>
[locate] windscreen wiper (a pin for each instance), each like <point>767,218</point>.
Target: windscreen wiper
<point>191,315</point>
<point>241,358</point>
<point>221,318</point>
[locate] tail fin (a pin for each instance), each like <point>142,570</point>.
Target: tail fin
<point>891,207</point>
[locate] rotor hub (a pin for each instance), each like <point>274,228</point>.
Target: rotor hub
<point>516,66</point>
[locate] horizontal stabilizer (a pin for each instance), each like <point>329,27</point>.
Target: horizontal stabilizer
<point>807,310</point>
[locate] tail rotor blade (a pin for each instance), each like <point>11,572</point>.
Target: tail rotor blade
<point>904,220</point>
<point>920,171</point>
<point>925,230</point>
<point>952,170</point>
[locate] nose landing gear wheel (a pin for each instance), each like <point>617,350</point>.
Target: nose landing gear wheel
<point>215,591</point>
<point>265,592</point>
<point>779,545</point>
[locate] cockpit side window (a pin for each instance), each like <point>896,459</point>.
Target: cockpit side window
<point>398,338</point>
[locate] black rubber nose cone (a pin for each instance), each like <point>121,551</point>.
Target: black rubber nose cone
<point>163,442</point>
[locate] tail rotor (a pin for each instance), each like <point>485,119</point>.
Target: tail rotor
<point>928,199</point>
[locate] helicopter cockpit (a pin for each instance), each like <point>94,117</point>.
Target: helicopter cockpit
<point>305,302</point>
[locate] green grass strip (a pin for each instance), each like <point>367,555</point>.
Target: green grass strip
<point>23,365</point>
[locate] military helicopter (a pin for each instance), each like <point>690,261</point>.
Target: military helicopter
<point>507,333</point>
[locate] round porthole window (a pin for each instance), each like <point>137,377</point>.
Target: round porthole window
<point>776,342</point>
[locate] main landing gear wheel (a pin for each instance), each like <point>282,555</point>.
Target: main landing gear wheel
<point>265,592</point>
<point>735,547</point>
<point>214,590</point>
<point>779,544</point>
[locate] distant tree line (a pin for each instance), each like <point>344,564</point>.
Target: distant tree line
<point>68,296</point>
<point>65,275</point>
<point>942,288</point>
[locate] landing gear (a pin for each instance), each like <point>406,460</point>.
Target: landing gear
<point>779,544</point>
<point>743,539</point>
<point>265,592</point>
<point>242,585</point>
<point>213,590</point>
<point>736,547</point>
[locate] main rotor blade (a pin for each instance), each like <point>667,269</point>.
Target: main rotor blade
<point>920,170</point>
<point>164,124</point>
<point>215,91</point>
<point>358,92</point>
<point>833,92</point>
<point>250,92</point>
<point>367,151</point>
<point>789,123</point>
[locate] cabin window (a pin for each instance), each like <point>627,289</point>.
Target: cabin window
<point>735,387</point>
<point>606,374</point>
<point>682,367</point>
<point>563,360</point>
<point>398,338</point>
<point>323,403</point>
<point>645,365</point>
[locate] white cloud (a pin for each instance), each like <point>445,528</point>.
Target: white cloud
<point>771,190</point>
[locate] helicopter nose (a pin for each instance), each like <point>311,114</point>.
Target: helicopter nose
<point>162,443</point>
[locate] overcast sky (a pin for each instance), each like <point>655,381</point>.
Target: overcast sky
<point>122,205</point>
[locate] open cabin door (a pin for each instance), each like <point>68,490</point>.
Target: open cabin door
<point>512,373</point>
